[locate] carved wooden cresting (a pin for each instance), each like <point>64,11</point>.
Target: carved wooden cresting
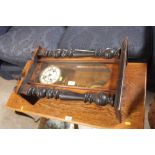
<point>108,53</point>
<point>91,76</point>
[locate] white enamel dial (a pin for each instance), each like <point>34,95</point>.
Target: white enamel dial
<point>50,75</point>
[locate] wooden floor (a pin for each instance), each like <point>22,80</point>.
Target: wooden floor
<point>91,115</point>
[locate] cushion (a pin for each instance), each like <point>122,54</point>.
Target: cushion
<point>109,36</point>
<point>4,29</point>
<point>17,44</point>
<point>9,71</point>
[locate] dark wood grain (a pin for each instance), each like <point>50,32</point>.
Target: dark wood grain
<point>151,115</point>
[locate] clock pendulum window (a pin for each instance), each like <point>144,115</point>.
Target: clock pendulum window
<point>91,76</point>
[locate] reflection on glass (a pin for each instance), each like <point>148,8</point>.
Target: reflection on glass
<point>85,74</point>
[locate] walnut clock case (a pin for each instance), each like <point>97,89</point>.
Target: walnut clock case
<point>92,76</point>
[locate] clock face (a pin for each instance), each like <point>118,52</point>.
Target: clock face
<point>50,75</point>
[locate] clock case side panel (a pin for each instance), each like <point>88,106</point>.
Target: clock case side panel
<point>27,72</point>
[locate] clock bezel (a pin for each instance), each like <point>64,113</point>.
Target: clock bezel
<point>41,73</point>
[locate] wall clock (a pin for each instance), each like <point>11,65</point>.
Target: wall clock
<point>92,76</point>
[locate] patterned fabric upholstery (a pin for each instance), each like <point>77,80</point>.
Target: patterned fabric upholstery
<point>17,44</point>
<point>4,29</point>
<point>9,71</point>
<point>108,36</point>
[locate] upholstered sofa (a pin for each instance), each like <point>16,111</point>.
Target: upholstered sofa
<point>16,44</point>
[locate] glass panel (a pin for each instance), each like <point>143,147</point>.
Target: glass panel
<point>78,74</point>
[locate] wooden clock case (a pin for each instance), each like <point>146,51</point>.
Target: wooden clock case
<point>108,92</point>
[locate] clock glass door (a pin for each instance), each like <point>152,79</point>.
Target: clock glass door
<point>76,74</point>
